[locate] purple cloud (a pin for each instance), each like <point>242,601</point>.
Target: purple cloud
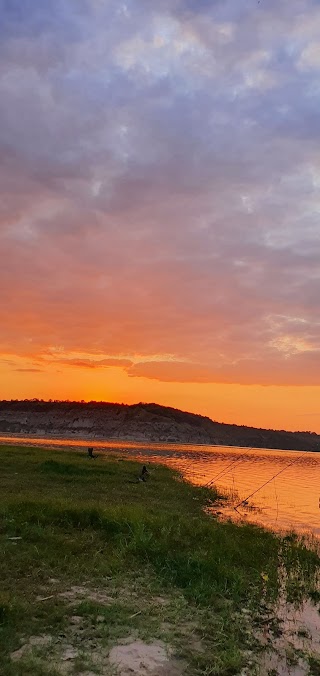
<point>160,187</point>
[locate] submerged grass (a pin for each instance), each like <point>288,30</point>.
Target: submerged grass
<point>81,537</point>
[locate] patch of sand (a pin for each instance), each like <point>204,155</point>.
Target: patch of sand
<point>142,659</point>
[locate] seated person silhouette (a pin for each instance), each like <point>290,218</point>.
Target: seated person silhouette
<point>144,474</point>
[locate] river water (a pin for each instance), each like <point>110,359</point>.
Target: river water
<point>289,500</point>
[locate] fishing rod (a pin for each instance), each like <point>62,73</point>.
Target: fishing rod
<point>185,469</point>
<point>268,482</point>
<point>208,484</point>
<point>224,471</point>
<point>189,464</point>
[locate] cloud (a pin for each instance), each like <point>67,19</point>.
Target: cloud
<point>96,363</point>
<point>160,187</point>
<point>294,371</point>
<point>29,370</point>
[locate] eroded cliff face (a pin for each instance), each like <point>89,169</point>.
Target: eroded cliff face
<point>140,422</point>
<point>124,422</point>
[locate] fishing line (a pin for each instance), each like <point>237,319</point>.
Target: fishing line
<point>222,472</point>
<point>268,482</point>
<point>276,494</point>
<point>232,464</point>
<point>183,470</point>
<point>189,465</point>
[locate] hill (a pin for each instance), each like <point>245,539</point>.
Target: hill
<point>139,422</point>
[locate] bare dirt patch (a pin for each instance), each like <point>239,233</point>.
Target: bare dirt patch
<point>142,659</point>
<point>74,594</point>
<point>33,642</point>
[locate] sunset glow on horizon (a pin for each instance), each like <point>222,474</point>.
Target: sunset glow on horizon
<point>160,205</point>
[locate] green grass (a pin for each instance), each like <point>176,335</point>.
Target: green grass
<point>86,523</point>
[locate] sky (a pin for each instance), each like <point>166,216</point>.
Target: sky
<point>160,203</point>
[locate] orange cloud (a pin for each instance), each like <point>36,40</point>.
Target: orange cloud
<point>150,243</point>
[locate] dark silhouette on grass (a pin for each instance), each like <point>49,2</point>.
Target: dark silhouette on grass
<point>144,474</point>
<point>90,452</point>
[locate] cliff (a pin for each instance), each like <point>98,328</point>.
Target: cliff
<point>139,422</point>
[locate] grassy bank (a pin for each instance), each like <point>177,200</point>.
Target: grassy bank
<point>90,558</point>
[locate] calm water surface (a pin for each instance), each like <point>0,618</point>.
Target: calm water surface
<point>290,500</point>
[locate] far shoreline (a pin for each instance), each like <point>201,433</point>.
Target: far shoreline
<point>135,441</point>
